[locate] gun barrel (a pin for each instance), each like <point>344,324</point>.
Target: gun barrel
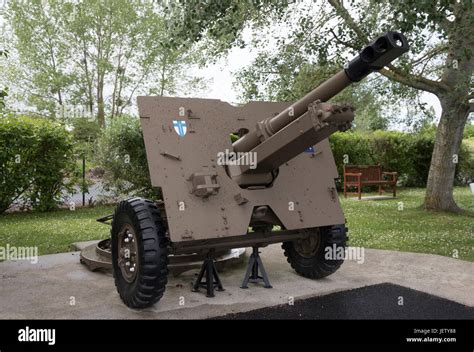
<point>381,52</point>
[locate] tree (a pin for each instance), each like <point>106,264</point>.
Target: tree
<point>43,54</point>
<point>93,54</point>
<point>443,69</point>
<point>286,75</point>
<point>118,43</point>
<point>441,59</point>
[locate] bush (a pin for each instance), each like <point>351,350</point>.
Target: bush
<point>85,130</point>
<point>37,158</point>
<point>469,130</point>
<point>408,154</point>
<point>122,155</point>
<point>350,148</point>
<point>420,149</point>
<point>465,169</point>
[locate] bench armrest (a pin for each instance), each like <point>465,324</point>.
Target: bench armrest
<point>393,174</point>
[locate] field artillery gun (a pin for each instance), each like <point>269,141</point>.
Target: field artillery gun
<point>275,183</point>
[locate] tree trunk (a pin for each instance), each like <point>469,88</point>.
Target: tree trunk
<point>439,188</point>
<point>100,103</point>
<point>459,67</point>
<point>89,78</point>
<point>100,111</point>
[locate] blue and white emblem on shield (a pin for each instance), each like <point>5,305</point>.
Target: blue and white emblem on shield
<point>180,127</point>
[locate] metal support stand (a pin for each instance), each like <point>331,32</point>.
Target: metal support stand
<point>255,262</point>
<point>209,271</point>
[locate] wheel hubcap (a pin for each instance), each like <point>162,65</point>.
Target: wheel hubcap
<point>308,247</point>
<point>128,253</point>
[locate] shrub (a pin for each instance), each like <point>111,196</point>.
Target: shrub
<point>122,155</point>
<point>85,130</point>
<point>37,162</point>
<point>407,153</point>
<point>351,148</point>
<point>469,130</point>
<point>465,169</point>
<point>390,149</point>
<point>420,148</point>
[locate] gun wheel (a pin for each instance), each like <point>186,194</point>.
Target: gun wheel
<point>127,258</point>
<point>139,253</point>
<point>308,256</point>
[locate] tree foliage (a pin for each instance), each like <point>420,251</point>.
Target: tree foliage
<point>280,78</point>
<point>440,61</point>
<point>95,54</point>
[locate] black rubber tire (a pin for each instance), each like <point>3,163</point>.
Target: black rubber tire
<point>317,266</point>
<point>152,245</point>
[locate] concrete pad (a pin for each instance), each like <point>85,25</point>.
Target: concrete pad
<point>59,287</point>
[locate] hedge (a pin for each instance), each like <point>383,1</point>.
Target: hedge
<point>122,155</point>
<point>37,162</point>
<point>408,154</point>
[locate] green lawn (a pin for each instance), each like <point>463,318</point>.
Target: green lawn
<point>373,224</point>
<point>380,224</point>
<point>53,232</point>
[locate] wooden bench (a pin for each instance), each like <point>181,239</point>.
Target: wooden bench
<point>368,175</point>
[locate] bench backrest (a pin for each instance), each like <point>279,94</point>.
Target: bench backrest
<point>369,172</point>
